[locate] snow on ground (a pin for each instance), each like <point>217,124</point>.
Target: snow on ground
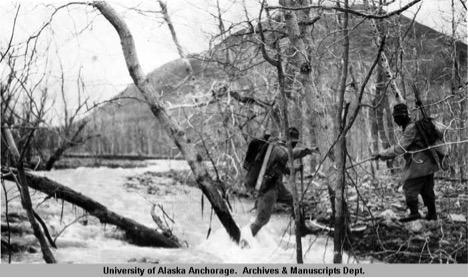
<point>88,241</point>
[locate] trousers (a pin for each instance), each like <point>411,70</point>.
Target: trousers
<point>266,203</point>
<point>422,185</point>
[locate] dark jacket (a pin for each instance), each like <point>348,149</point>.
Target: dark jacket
<point>277,165</point>
<point>418,163</point>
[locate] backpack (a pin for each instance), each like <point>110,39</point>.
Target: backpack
<point>434,138</point>
<point>254,156</point>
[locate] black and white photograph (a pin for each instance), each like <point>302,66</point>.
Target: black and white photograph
<point>234,132</point>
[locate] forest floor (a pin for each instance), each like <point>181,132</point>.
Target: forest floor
<point>374,207</point>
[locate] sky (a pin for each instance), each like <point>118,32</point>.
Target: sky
<point>81,41</point>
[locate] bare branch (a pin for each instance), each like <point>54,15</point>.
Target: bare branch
<point>463,4</point>
<point>270,60</point>
<point>26,198</point>
<point>350,11</point>
<point>168,20</point>
<point>12,34</point>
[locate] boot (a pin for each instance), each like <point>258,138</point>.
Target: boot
<point>431,212</point>
<point>414,213</point>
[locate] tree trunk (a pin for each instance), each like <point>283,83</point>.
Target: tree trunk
<point>301,70</point>
<point>151,95</point>
<point>383,104</point>
<point>136,232</point>
<point>292,176</point>
<point>54,158</point>
<point>340,148</point>
<point>397,96</point>
<point>23,185</point>
<point>372,114</point>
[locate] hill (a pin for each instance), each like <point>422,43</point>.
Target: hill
<point>127,126</point>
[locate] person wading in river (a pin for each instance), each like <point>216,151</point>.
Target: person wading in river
<point>420,166</point>
<point>272,189</point>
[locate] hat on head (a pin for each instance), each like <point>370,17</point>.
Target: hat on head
<point>400,109</point>
<point>294,134</point>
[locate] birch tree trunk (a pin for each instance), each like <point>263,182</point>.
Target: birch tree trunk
<point>397,96</point>
<point>26,197</point>
<point>301,72</point>
<point>382,103</point>
<point>172,128</point>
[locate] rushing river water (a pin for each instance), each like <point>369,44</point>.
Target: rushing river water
<point>91,242</point>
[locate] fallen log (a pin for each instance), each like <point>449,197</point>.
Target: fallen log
<point>136,233</point>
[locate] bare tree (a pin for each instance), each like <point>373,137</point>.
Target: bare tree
<point>171,127</point>
<point>73,121</point>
